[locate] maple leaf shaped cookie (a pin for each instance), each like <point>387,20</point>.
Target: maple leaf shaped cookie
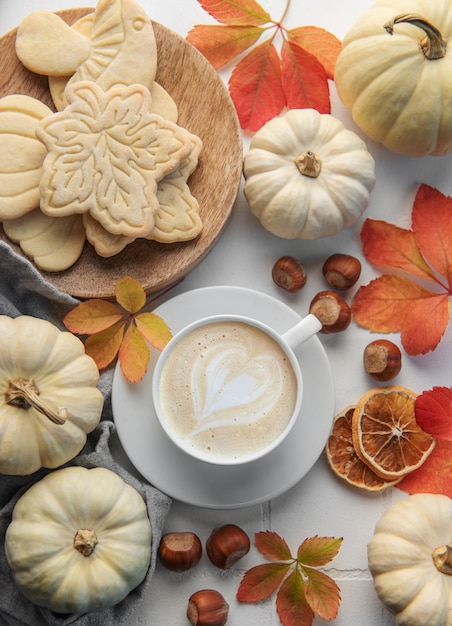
<point>106,154</point>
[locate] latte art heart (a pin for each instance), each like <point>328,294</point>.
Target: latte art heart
<point>228,388</point>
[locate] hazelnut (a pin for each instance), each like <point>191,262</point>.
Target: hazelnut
<point>382,359</point>
<point>341,271</point>
<point>180,551</point>
<point>207,607</point>
<point>289,274</point>
<point>226,545</point>
<point>332,311</point>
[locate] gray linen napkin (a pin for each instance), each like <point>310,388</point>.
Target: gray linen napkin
<point>24,292</point>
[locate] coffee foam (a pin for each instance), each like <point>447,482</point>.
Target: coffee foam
<point>228,389</point>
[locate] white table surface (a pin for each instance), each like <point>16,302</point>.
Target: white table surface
<point>319,503</point>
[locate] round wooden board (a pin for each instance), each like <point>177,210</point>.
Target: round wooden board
<point>205,109</point>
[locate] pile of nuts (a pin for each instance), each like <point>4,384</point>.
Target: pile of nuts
<point>382,358</point>
<point>180,551</point>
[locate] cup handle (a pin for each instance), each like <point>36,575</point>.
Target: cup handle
<point>302,331</point>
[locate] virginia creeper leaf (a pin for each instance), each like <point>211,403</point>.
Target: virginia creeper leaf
<point>154,329</point>
<point>304,79</point>
<point>317,551</point>
<point>133,354</point>
<point>392,304</point>
<point>434,412</point>
<point>244,12</point>
<point>322,44</point>
<point>271,545</point>
<point>261,581</point>
<point>291,604</point>
<point>322,593</point>
<point>103,346</point>
<point>130,294</point>
<point>255,86</point>
<point>387,245</point>
<point>220,44</point>
<point>432,225</point>
<point>92,316</point>
<point>434,475</point>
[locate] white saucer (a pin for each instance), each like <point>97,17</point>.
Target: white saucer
<point>195,482</point>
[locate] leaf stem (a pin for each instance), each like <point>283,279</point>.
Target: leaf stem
<point>286,9</point>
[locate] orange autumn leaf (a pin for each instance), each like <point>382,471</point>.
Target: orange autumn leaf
<point>319,42</point>
<point>235,12</point>
<point>302,592</point>
<point>398,303</point>
<point>120,330</point>
<point>434,412</point>
<point>264,82</point>
<point>255,87</point>
<point>304,79</point>
<point>221,44</point>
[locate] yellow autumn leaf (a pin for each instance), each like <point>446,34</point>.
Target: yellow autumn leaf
<point>154,329</point>
<point>104,346</point>
<point>130,294</point>
<point>133,355</point>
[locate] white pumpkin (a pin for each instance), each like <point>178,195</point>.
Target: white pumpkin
<point>410,559</point>
<point>307,176</point>
<point>79,540</point>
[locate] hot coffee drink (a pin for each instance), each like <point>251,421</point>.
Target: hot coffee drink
<point>228,389</point>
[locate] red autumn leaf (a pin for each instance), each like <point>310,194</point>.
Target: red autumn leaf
<point>304,79</point>
<point>103,346</point>
<point>255,86</point>
<point>322,593</point>
<point>322,44</point>
<point>271,545</point>
<point>291,604</point>
<point>133,354</point>
<point>235,12</point>
<point>130,294</point>
<point>261,581</point>
<point>386,245</point>
<point>92,316</point>
<point>317,551</point>
<point>392,304</point>
<point>434,412</point>
<point>432,225</point>
<point>221,44</point>
<point>434,475</point>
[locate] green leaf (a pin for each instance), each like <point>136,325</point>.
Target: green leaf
<point>291,604</point>
<point>260,582</point>
<point>317,551</point>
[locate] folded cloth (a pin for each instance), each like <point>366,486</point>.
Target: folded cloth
<point>23,291</point>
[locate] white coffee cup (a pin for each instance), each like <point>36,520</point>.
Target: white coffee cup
<point>227,389</point>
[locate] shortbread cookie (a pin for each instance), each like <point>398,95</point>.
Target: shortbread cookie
<point>21,154</point>
<point>105,244</point>
<point>53,243</point>
<point>106,154</point>
<point>46,45</point>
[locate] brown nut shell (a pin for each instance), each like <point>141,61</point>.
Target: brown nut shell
<point>341,271</point>
<point>207,607</point>
<point>289,274</point>
<point>180,551</point>
<point>332,310</point>
<point>382,360</point>
<point>226,545</point>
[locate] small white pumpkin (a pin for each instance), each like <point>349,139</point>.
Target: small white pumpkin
<point>307,176</point>
<point>79,540</point>
<point>50,395</point>
<point>410,559</point>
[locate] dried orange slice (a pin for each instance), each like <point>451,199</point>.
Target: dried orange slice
<point>386,435</point>
<point>343,459</point>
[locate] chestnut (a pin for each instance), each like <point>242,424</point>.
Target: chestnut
<point>382,359</point>
<point>341,271</point>
<point>207,607</point>
<point>180,551</point>
<point>332,310</point>
<point>226,545</point>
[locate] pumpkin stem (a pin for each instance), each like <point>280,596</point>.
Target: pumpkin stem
<point>442,558</point>
<point>85,540</point>
<point>308,164</point>
<point>24,393</point>
<point>433,45</point>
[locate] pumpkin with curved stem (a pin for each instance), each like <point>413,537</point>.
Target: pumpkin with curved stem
<point>410,559</point>
<point>307,176</point>
<point>393,74</point>
<point>79,540</point>
<point>50,398</point>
